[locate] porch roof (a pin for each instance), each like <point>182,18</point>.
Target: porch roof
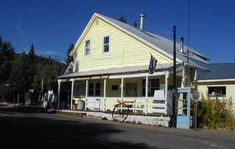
<point>111,71</point>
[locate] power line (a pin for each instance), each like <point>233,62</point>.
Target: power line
<point>188,22</point>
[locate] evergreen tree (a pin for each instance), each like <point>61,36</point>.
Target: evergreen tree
<point>1,41</point>
<point>122,19</point>
<point>6,58</point>
<point>31,54</point>
<point>20,75</point>
<point>7,51</point>
<point>69,58</point>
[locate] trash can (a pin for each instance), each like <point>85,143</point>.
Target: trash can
<point>80,104</point>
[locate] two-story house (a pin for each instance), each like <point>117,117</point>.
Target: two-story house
<point>111,61</point>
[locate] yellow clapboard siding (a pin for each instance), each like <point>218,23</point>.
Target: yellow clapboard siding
<point>124,49</point>
<point>230,87</point>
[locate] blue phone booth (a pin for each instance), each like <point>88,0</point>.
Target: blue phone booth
<point>184,118</point>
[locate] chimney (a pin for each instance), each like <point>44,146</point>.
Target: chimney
<point>142,21</point>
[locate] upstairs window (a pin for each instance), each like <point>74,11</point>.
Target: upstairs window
<point>87,47</point>
<point>106,44</point>
<point>217,91</point>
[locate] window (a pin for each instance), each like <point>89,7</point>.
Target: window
<point>153,84</point>
<point>131,90</point>
<point>97,89</point>
<point>106,44</point>
<point>114,87</point>
<point>87,47</point>
<point>94,89</point>
<point>91,89</point>
<point>217,91</point>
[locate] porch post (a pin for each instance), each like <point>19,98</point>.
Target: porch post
<point>103,103</point>
<point>146,93</point>
<point>122,80</point>
<point>146,87</point>
<point>72,87</point>
<point>58,95</point>
<point>86,94</point>
<point>86,88</point>
<point>105,87</point>
<point>166,85</point>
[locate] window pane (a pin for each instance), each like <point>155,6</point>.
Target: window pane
<point>91,87</point>
<point>143,87</point>
<point>114,88</point>
<point>87,47</point>
<point>97,89</point>
<point>106,40</point>
<point>217,91</point>
<point>106,44</point>
<point>131,90</point>
<point>106,48</point>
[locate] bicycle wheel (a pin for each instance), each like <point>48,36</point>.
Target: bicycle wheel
<point>120,112</point>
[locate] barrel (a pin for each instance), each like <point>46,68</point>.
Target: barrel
<point>80,105</point>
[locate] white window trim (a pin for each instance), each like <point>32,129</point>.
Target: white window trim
<point>106,53</point>
<point>217,95</point>
<point>87,55</point>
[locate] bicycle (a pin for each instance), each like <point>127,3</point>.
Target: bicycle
<point>120,112</point>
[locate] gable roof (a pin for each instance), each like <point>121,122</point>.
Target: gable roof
<point>159,43</point>
<point>218,71</point>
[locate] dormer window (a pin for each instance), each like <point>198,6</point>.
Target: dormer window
<point>87,47</point>
<point>106,44</point>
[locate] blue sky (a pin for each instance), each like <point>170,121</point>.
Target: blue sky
<point>52,25</point>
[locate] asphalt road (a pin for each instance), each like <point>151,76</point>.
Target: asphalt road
<point>39,129</point>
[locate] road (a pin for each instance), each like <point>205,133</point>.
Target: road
<point>46,130</point>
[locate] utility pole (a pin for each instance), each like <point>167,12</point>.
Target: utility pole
<point>174,76</point>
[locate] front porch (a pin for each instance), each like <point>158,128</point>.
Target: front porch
<point>148,94</point>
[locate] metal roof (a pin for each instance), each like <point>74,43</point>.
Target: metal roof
<point>123,70</point>
<point>159,43</point>
<point>165,45</point>
<point>217,71</point>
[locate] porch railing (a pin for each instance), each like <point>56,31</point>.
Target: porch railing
<point>138,105</point>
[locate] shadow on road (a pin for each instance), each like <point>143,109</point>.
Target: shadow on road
<point>46,131</point>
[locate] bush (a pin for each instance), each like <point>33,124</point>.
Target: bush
<point>214,113</point>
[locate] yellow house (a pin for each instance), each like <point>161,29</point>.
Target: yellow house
<point>111,61</point>
<point>218,82</point>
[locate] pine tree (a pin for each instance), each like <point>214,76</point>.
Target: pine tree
<point>1,41</point>
<point>31,54</point>
<point>69,58</point>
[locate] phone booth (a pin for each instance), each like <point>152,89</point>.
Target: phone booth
<point>184,118</point>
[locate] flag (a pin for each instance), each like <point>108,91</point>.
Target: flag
<point>152,64</point>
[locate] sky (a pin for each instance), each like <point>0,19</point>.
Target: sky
<point>52,25</point>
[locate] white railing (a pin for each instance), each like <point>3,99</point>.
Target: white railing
<point>137,104</point>
<point>162,104</point>
<point>95,103</point>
